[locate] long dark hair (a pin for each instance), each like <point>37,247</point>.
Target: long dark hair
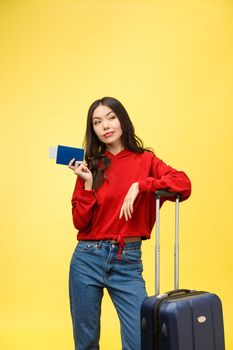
<point>94,148</point>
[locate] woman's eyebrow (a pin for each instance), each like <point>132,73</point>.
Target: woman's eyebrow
<point>105,115</point>
<point>108,113</point>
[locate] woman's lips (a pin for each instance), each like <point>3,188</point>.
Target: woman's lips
<point>108,134</point>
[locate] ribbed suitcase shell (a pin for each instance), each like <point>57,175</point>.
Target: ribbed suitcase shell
<point>190,321</point>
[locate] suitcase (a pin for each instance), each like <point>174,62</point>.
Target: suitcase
<point>181,319</point>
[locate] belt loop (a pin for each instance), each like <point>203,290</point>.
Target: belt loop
<point>100,244</point>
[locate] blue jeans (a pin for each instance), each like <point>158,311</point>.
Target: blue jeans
<point>95,266</point>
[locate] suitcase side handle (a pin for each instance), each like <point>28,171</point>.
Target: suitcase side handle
<point>158,195</point>
<point>178,292</point>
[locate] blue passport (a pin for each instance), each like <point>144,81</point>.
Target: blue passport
<point>65,154</point>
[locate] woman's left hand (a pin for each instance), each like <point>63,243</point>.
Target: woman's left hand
<point>127,206</point>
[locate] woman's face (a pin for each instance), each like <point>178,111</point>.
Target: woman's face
<point>107,126</point>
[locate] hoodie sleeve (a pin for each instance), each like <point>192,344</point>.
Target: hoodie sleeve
<point>164,177</point>
<point>83,202</point>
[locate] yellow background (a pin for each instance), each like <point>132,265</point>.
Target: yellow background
<point>170,64</point>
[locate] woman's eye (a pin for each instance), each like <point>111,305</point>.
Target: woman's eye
<point>96,122</point>
<point>113,117</point>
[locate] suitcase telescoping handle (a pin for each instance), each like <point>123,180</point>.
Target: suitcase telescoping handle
<point>158,195</point>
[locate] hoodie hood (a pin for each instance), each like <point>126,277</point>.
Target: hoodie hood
<point>122,154</point>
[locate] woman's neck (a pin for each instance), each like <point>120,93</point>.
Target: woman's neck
<point>114,149</point>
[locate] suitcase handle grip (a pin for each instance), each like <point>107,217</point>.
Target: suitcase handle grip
<point>162,193</point>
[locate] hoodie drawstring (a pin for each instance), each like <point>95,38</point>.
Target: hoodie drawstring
<point>121,242</point>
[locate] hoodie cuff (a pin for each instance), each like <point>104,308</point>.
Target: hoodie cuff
<point>151,185</point>
<point>87,195</point>
<point>142,186</point>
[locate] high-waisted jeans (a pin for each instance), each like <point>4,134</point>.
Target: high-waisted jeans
<point>95,266</point>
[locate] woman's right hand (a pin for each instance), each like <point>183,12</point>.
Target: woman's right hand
<point>81,169</point>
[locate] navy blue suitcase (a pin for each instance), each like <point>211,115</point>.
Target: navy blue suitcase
<point>180,319</point>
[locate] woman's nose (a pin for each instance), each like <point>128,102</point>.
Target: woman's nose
<point>105,124</point>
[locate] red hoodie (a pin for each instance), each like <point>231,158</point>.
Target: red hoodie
<point>96,212</point>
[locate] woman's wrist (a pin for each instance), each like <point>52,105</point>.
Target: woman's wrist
<point>88,185</point>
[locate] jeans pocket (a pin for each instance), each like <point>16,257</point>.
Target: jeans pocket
<point>86,246</point>
<point>132,256</point>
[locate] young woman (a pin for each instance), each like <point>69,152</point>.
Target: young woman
<point>113,207</point>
